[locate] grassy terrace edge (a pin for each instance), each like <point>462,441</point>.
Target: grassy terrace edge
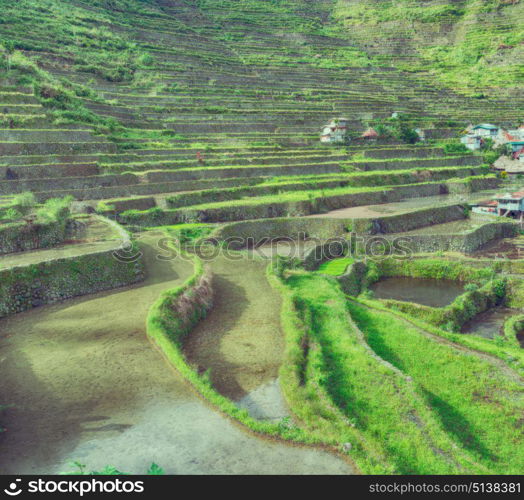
<point>303,380</point>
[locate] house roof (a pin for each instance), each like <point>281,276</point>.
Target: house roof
<point>487,203</point>
<point>486,126</point>
<point>509,136</point>
<point>370,132</point>
<point>513,196</point>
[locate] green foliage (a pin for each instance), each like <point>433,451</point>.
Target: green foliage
<point>453,383</point>
<point>513,327</point>
<point>478,53</point>
<point>55,209</point>
<point>10,213</point>
<point>335,267</point>
<point>110,470</point>
<point>103,207</point>
<point>455,148</point>
<point>400,127</point>
<point>189,233</point>
<point>378,401</point>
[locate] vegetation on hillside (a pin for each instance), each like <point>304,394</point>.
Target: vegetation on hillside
<point>469,45</point>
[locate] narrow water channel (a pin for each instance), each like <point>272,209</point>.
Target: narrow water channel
<point>428,292</point>
<point>83,383</point>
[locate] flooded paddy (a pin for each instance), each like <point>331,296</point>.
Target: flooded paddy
<point>507,248</point>
<point>408,205</point>
<point>83,383</point>
<point>239,342</point>
<point>284,248</point>
<point>489,324</point>
<point>427,292</point>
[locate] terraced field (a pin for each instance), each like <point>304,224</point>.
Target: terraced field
<point>206,99</point>
<point>202,119</point>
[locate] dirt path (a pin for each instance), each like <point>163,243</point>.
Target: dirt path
<point>84,384</point>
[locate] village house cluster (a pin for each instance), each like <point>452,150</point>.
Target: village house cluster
<point>477,136</point>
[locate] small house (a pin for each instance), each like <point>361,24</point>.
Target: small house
<point>515,146</point>
<point>472,141</point>
<point>511,205</point>
<point>370,133</point>
<point>336,132</point>
<point>518,154</point>
<point>486,207</point>
<point>485,130</point>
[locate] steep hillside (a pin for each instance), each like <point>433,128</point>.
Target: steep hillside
<point>107,99</point>
<point>474,46</point>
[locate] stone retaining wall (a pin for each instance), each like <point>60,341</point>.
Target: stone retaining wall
<point>351,280</point>
<point>25,287</point>
<point>404,153</point>
<point>418,163</point>
<point>20,237</point>
<point>463,243</point>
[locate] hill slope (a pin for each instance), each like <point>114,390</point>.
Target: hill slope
<point>94,89</point>
<point>471,45</point>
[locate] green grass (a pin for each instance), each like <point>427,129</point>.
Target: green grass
<point>393,418</point>
<point>309,195</point>
<point>476,54</point>
<point>477,403</point>
<point>335,267</point>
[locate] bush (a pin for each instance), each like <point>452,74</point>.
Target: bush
<point>455,148</point>
<point>55,209</point>
<point>24,200</point>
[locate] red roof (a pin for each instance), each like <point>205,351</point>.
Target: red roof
<point>517,153</point>
<point>370,132</point>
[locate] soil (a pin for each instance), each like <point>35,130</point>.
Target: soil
<point>240,341</point>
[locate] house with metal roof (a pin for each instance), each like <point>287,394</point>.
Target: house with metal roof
<point>511,205</point>
<point>517,150</point>
<point>486,130</point>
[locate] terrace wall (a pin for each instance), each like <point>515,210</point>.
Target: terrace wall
<point>20,237</point>
<point>464,243</point>
<point>25,287</point>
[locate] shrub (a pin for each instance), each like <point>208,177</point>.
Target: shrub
<point>55,209</point>
<point>24,200</point>
<point>455,148</point>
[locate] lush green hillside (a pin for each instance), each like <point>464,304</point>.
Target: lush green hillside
<point>196,113</point>
<point>470,45</point>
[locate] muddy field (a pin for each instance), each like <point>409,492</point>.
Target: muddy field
<point>84,384</point>
<point>240,341</point>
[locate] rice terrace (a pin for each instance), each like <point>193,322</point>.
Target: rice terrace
<point>262,237</point>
